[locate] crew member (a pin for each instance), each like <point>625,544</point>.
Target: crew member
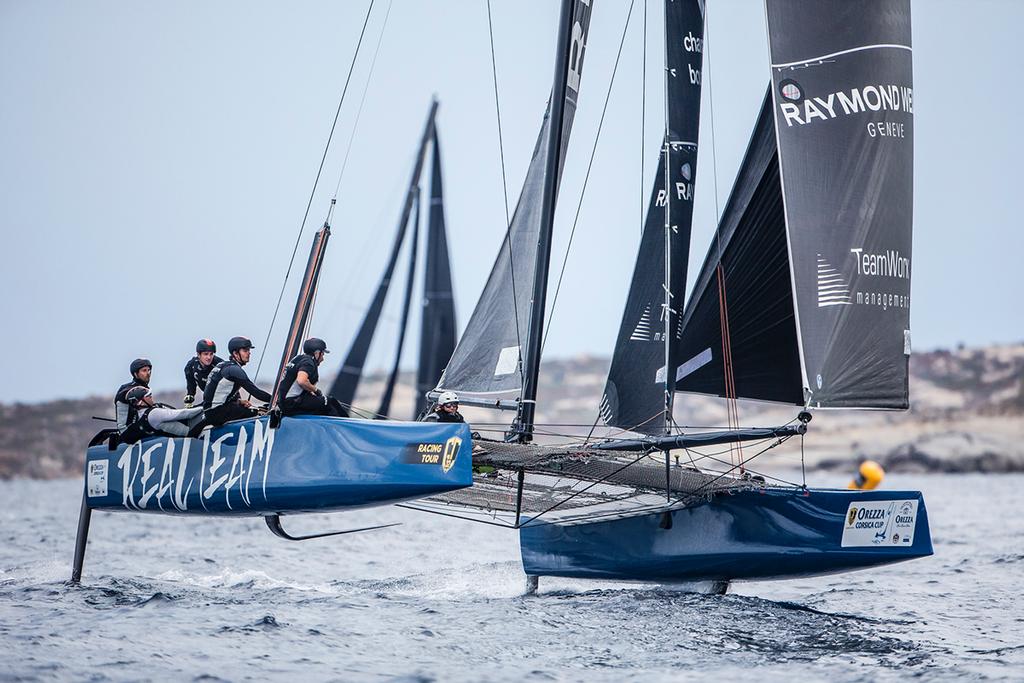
<point>199,368</point>
<point>221,400</point>
<point>446,410</point>
<point>157,419</point>
<point>299,386</point>
<point>125,410</point>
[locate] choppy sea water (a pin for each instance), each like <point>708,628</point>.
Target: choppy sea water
<point>440,599</point>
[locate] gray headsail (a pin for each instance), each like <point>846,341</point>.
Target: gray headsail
<point>739,323</point>
<point>487,363</point>
<point>347,381</point>
<point>636,392</point>
<point>842,88</point>
<point>438,330</point>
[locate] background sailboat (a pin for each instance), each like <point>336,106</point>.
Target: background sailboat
<point>437,307</point>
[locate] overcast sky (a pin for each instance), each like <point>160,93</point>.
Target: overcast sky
<point>156,159</point>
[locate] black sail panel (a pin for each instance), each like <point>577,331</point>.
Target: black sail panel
<point>389,387</point>
<point>634,396</point>
<point>743,294</point>
<point>438,328</point>
<point>347,380</point>
<point>842,87</point>
<point>487,361</point>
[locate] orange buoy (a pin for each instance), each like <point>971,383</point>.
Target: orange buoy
<point>869,475</point>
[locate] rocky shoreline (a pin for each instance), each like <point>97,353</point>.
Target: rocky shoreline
<point>967,415</point>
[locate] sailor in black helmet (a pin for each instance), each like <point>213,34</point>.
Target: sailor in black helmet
<point>125,410</point>
<point>156,419</point>
<point>199,368</point>
<point>299,385</point>
<point>221,398</point>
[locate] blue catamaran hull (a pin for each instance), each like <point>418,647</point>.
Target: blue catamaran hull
<point>763,534</point>
<point>308,464</point>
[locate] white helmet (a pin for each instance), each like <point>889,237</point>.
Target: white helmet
<point>447,397</point>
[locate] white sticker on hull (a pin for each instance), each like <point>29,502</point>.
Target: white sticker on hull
<point>880,523</point>
<point>96,478</point>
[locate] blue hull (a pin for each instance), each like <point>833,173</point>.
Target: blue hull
<point>766,534</point>
<point>308,464</point>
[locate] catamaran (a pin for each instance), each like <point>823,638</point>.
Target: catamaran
<point>271,466</point>
<point>784,310</point>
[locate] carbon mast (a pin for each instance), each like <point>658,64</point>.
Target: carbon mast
<point>569,45</point>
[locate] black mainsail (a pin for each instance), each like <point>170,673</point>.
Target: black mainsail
<point>347,380</point>
<point>437,330</point>
<point>842,87</point>
<point>638,394</point>
<point>820,214</point>
<point>488,363</point>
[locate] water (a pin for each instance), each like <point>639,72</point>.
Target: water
<point>218,599</point>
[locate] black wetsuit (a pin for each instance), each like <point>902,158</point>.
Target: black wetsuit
<point>221,397</point>
<point>444,416</point>
<point>126,412</point>
<point>196,373</point>
<point>140,428</point>
<point>298,401</point>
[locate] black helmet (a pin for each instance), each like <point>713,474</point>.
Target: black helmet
<point>138,364</point>
<point>238,343</point>
<point>137,394</point>
<point>205,345</point>
<point>312,345</point>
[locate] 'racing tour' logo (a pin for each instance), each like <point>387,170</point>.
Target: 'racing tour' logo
<point>432,453</point>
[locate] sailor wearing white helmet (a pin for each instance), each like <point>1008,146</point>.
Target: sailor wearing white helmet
<point>446,410</point>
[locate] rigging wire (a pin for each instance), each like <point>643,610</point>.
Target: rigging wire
<point>312,193</point>
<point>732,405</point>
<point>643,119</point>
<point>586,178</point>
<point>359,111</point>
<point>504,190</point>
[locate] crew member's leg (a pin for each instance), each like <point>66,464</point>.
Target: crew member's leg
<point>176,422</point>
<point>227,412</point>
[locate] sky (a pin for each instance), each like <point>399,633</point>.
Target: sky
<point>156,160</point>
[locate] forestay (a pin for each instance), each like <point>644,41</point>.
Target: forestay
<point>488,359</point>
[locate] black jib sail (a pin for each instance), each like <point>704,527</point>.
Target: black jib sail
<point>384,410</point>
<point>637,393</point>
<point>347,381</point>
<point>438,330</point>
<point>488,361</point>
<point>842,87</point>
<point>741,308</point>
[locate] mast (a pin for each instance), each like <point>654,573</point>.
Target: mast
<point>303,308</point>
<point>666,312</point>
<point>523,427</point>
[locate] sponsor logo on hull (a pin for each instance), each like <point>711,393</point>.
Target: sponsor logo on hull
<point>880,523</point>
